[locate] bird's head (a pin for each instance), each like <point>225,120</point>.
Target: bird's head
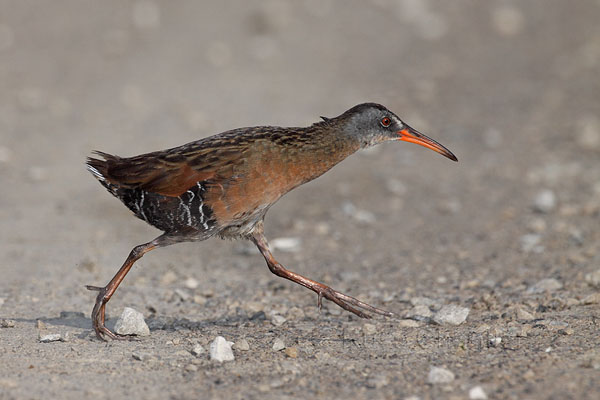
<point>372,123</point>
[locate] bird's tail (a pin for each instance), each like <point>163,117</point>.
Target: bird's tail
<point>99,168</point>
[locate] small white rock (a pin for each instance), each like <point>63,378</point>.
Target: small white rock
<point>524,315</point>
<point>278,344</point>
<point>545,201</point>
<point>495,341</point>
<point>182,294</point>
<point>278,320</point>
<point>141,356</point>
<point>422,311</point>
<point>220,350</point>
<point>545,285</point>
<point>191,283</point>
<point>440,375</point>
<point>362,216</point>
<point>288,244</point>
<point>451,314</point>
<point>198,350</point>
<point>50,337</point>
<point>477,393</point>
<point>242,345</point>
<point>593,278</point>
<point>131,322</point>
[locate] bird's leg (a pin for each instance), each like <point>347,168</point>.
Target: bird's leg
<point>106,292</point>
<point>346,302</point>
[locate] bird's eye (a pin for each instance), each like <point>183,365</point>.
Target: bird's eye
<point>385,122</point>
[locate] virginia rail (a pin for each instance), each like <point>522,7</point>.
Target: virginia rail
<point>223,186</point>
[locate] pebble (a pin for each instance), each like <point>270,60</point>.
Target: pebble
<point>451,314</point>
<point>51,337</point>
<point>220,350</point>
<point>278,344</point>
<point>141,356</point>
<point>131,322</point>
<point>545,201</point>
<point>495,341</point>
<point>477,393</point>
<point>191,368</point>
<point>523,315</point>
<point>369,329</point>
<point>593,298</point>
<point>182,294</point>
<point>566,331</point>
<point>421,311</point>
<point>592,278</point>
<point>531,243</point>
<point>197,350</point>
<point>291,352</point>
<point>362,216</point>
<point>287,244</point>
<point>7,323</point>
<point>191,283</point>
<point>439,375</point>
<point>409,323</point>
<point>278,320</point>
<point>545,285</point>
<point>242,345</point>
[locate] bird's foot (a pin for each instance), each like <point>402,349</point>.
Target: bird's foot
<point>348,303</point>
<point>98,316</point>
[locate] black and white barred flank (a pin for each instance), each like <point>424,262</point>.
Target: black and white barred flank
<point>167,213</point>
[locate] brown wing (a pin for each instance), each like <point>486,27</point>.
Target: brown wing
<point>172,172</point>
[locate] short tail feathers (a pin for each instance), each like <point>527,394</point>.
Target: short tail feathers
<point>99,168</point>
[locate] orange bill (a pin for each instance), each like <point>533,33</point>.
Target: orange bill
<point>411,135</point>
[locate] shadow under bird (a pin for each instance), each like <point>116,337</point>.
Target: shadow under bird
<point>224,185</point>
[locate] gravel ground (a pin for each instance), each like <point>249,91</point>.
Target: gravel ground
<point>510,234</point>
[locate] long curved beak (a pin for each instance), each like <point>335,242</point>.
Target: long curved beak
<point>411,135</point>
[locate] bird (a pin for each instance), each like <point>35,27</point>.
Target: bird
<point>223,185</point>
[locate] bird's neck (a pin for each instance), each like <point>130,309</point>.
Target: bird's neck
<point>324,147</point>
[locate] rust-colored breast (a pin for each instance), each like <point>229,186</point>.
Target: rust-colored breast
<point>268,171</point>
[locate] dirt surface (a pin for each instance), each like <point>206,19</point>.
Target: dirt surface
<point>511,232</point>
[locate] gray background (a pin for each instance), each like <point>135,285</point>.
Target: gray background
<point>512,87</point>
